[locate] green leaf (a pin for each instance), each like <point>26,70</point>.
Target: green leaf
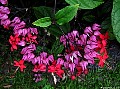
<point>85,4</point>
<point>57,48</point>
<point>88,18</point>
<point>116,19</point>
<point>56,31</point>
<point>43,11</point>
<point>43,22</point>
<point>106,25</point>
<point>66,14</point>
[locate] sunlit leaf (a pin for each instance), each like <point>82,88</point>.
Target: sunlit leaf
<point>66,14</point>
<point>43,22</point>
<point>85,4</point>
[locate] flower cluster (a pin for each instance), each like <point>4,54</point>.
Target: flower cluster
<point>80,49</point>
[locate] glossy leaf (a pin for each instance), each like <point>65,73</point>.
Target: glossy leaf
<point>56,31</point>
<point>66,14</point>
<point>85,4</point>
<point>116,19</point>
<point>43,22</point>
<point>43,11</point>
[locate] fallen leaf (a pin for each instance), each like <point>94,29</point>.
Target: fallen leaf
<point>7,86</point>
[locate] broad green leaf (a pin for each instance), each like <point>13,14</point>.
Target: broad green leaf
<point>56,31</point>
<point>106,25</point>
<point>85,4</point>
<point>43,22</point>
<point>66,14</point>
<point>43,11</point>
<point>116,19</point>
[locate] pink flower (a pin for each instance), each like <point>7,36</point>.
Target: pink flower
<point>44,59</point>
<point>28,49</point>
<point>3,16</point>
<point>88,30</point>
<point>60,61</point>
<point>72,67</point>
<point>83,64</point>
<point>28,57</point>
<point>15,21</point>
<point>19,25</point>
<point>3,1</point>
<point>96,27</point>
<point>5,23</point>
<point>83,39</point>
<point>4,10</point>
<point>37,77</point>
<point>22,43</point>
<point>33,30</point>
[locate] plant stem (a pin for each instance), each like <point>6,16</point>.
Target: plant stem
<point>55,7</point>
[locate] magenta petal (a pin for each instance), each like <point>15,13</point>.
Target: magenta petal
<point>88,30</point>
<point>93,38</point>
<point>19,32</point>
<point>72,67</point>
<point>66,64</point>
<point>97,33</point>
<point>33,30</point>
<point>24,31</point>
<point>84,64</point>
<point>76,61</point>
<point>96,27</point>
<point>60,61</point>
<point>3,1</point>
<point>91,61</point>
<point>87,56</point>
<point>75,33</point>
<point>67,57</point>
<point>5,16</point>
<point>25,57</point>
<point>31,55</point>
<point>22,43</point>
<point>50,58</point>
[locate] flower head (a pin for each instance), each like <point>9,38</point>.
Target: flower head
<point>20,64</point>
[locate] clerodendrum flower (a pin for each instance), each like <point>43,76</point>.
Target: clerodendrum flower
<point>56,68</point>
<point>80,50</point>
<point>14,40</point>
<point>20,64</point>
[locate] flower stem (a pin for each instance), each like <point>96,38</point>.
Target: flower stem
<point>16,70</point>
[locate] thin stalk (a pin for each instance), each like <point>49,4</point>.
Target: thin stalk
<point>55,7</point>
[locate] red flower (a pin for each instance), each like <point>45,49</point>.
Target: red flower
<point>102,47</point>
<point>73,77</point>
<point>103,42</point>
<point>40,67</point>
<point>14,40</point>
<point>79,70</point>
<point>56,68</point>
<point>102,59</point>
<point>31,39</point>
<point>20,64</point>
